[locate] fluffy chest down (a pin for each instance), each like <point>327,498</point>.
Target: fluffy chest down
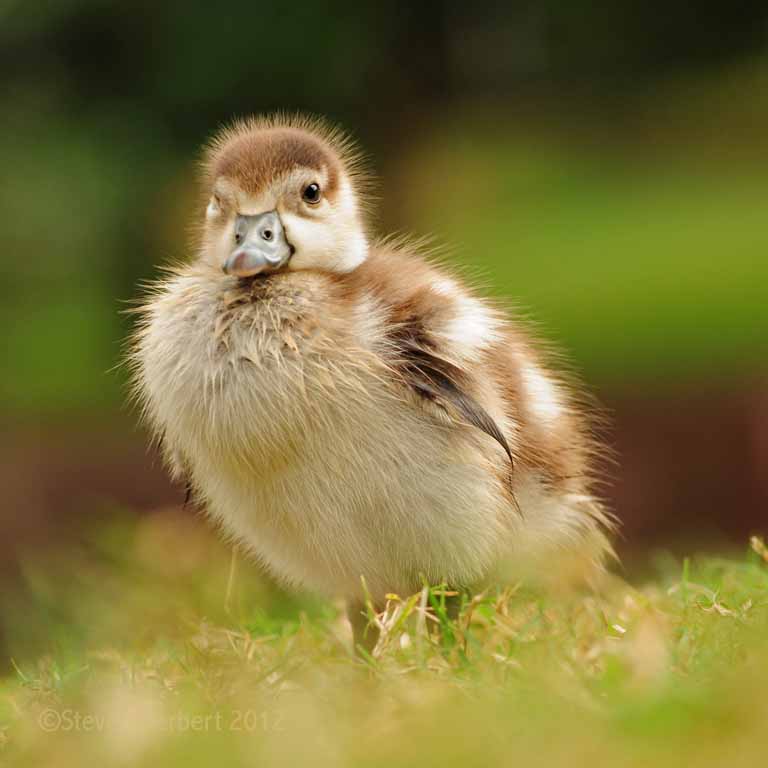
<point>276,400</point>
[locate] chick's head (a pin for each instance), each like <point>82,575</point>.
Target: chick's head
<point>283,194</point>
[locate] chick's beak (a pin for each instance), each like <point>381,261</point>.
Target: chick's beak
<point>260,245</point>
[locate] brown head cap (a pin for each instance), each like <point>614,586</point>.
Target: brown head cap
<point>254,151</point>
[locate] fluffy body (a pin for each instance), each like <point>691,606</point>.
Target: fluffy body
<point>362,416</point>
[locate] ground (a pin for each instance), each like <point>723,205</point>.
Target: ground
<point>148,644</point>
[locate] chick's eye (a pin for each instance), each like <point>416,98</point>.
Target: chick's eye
<point>311,193</point>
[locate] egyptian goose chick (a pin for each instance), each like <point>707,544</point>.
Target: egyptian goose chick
<point>345,408</point>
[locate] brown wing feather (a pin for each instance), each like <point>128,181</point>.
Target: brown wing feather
<point>440,381</point>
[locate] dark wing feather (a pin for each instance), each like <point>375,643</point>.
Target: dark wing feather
<point>158,447</point>
<point>442,382</point>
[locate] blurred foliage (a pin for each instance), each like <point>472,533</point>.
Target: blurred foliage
<point>601,165</point>
<point>645,257</point>
<point>191,673</point>
<point>514,121</point>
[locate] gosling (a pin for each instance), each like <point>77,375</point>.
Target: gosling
<point>350,412</point>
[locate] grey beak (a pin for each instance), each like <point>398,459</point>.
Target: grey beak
<point>260,245</point>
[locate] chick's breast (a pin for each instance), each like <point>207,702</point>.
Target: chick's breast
<point>278,399</point>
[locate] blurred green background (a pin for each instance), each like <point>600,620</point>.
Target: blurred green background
<point>604,167</point>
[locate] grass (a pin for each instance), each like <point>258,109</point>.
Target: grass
<point>132,651</point>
